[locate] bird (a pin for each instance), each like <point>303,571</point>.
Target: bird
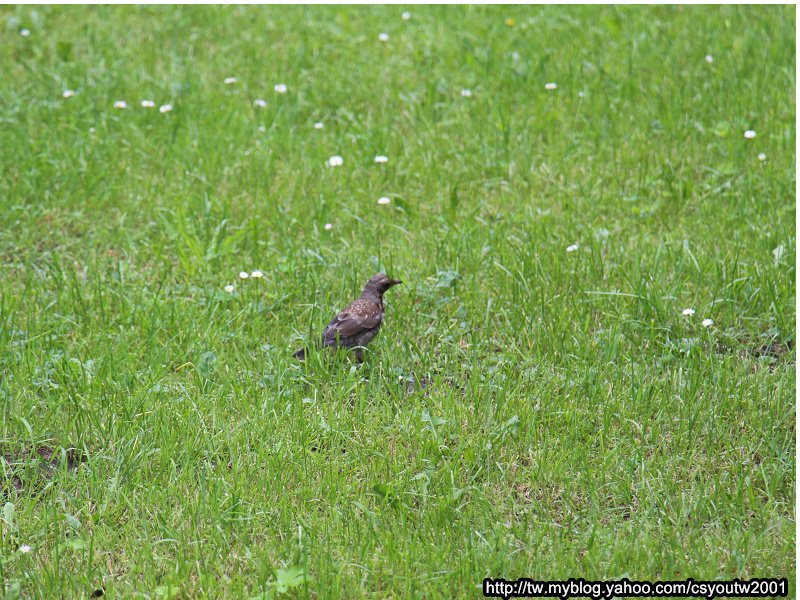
<point>359,323</point>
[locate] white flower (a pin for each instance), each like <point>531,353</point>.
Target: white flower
<point>261,128</point>
<point>148,104</point>
<point>120,104</point>
<point>749,134</point>
<point>707,322</point>
<point>281,88</point>
<point>24,32</point>
<point>762,157</point>
<point>328,226</point>
<point>466,93</point>
<point>687,312</point>
<point>709,59</point>
<point>260,103</point>
<point>319,125</point>
<point>229,288</point>
<point>581,94</point>
<point>25,548</point>
<point>256,274</point>
<point>384,200</point>
<point>230,80</point>
<point>92,130</point>
<point>550,86</point>
<point>381,159</point>
<point>573,248</point>
<point>384,37</point>
<point>165,108</point>
<point>335,161</point>
<point>243,274</point>
<point>405,16</point>
<point>68,93</point>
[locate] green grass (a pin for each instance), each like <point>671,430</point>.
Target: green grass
<point>525,412</point>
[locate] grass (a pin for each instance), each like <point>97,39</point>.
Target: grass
<point>525,412</point>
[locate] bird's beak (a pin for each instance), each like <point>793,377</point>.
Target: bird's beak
<point>395,281</point>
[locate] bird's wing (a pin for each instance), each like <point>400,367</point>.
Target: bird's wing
<point>356,318</point>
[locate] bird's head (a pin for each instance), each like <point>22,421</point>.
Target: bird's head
<point>379,283</point>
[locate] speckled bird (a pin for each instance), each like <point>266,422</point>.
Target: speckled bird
<point>359,323</point>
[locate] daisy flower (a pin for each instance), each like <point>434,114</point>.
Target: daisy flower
<point>550,86</point>
<point>383,37</point>
<point>24,32</point>
<point>405,16</point>
<point>148,104</point>
<point>319,125</point>
<point>68,93</point>
<point>384,200</point>
<point>165,108</point>
<point>281,88</point>
<point>120,104</point>
<point>466,93</point>
<point>230,80</point>
<point>229,288</point>
<point>25,548</point>
<point>256,274</point>
<point>707,322</point>
<point>335,161</point>
<point>380,159</point>
<point>749,134</point>
<point>709,59</point>
<point>328,226</point>
<point>687,312</point>
<point>243,274</point>
<point>260,103</point>
<point>762,157</point>
<point>573,248</point>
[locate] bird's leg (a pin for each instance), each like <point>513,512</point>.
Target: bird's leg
<point>360,354</point>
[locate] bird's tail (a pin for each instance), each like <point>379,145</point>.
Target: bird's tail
<point>300,354</point>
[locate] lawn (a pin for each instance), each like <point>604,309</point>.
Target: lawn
<point>589,370</point>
